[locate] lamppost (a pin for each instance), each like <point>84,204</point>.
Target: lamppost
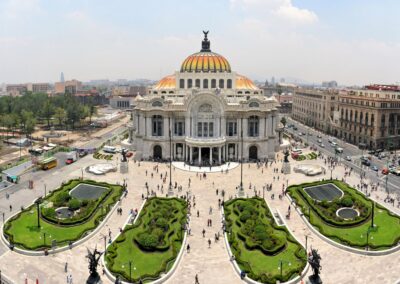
<point>130,269</point>
<point>104,237</point>
<point>45,190</point>
<point>307,237</point>
<point>281,261</point>
<point>38,202</point>
<point>82,173</point>
<point>331,169</point>
<point>241,191</point>
<point>170,189</point>
<point>3,217</point>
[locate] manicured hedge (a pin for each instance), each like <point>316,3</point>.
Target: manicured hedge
<point>27,236</point>
<point>246,247</point>
<point>385,233</point>
<point>152,243</point>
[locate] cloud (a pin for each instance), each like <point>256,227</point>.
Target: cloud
<point>13,9</point>
<point>278,9</point>
<point>76,16</point>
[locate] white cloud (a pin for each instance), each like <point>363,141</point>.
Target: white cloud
<point>279,9</point>
<point>76,15</point>
<point>14,9</point>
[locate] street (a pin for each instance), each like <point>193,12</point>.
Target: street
<point>393,181</point>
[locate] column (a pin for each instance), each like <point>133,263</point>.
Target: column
<point>219,154</point>
<point>184,153</point>
<point>191,154</point>
<point>199,155</point>
<point>174,149</point>
<point>211,149</point>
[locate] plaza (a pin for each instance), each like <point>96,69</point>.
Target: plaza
<point>212,265</point>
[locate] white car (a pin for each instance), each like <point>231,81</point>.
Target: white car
<point>322,145</point>
<point>348,158</point>
<point>319,140</point>
<point>334,144</point>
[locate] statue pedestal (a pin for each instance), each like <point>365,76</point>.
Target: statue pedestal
<point>286,168</point>
<point>170,191</point>
<point>241,192</point>
<point>94,279</point>
<point>314,280</point>
<point>123,168</point>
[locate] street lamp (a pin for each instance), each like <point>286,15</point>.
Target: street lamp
<point>45,190</point>
<point>104,237</point>
<point>241,191</point>
<point>281,265</point>
<point>38,202</point>
<point>170,189</point>
<point>130,269</point>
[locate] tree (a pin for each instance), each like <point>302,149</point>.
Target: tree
<point>60,114</point>
<point>283,121</point>
<point>48,111</point>
<point>30,126</point>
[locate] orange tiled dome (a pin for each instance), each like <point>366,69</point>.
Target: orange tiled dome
<point>245,83</point>
<point>167,82</point>
<point>205,61</point>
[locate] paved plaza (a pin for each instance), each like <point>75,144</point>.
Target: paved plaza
<point>211,264</point>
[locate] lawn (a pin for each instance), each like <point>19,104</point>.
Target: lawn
<point>385,233</point>
<point>259,244</point>
<point>151,244</point>
<point>22,230</point>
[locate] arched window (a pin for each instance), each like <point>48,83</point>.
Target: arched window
<point>221,84</point>
<point>213,83</point>
<point>361,117</point>
<point>229,84</point>
<point>189,83</point>
<point>182,83</point>
<point>366,119</point>
<point>197,83</point>
<point>253,123</point>
<point>157,104</point>
<point>254,104</point>
<point>157,125</point>
<point>205,83</point>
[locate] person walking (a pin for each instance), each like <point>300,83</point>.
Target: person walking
<point>204,232</point>
<point>196,279</point>
<point>188,248</point>
<point>66,267</point>
<point>209,243</point>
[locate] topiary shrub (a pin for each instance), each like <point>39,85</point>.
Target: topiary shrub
<point>347,201</point>
<point>62,198</point>
<point>74,204</point>
<point>49,212</point>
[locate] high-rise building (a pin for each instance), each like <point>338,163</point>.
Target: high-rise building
<point>62,77</point>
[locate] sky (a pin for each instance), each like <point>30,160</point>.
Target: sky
<point>352,42</point>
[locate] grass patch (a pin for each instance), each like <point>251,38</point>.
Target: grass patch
<point>322,215</point>
<point>22,229</point>
<point>259,244</point>
<point>152,243</point>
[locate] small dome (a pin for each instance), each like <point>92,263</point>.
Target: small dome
<point>244,83</point>
<point>168,82</point>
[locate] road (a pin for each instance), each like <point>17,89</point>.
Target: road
<point>393,181</point>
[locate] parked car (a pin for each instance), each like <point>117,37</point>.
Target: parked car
<point>374,168</point>
<point>322,145</point>
<point>129,154</point>
<point>82,154</point>
<point>319,136</point>
<point>334,144</point>
<point>385,171</point>
<point>319,140</point>
<point>371,152</point>
<point>348,158</point>
<point>294,128</point>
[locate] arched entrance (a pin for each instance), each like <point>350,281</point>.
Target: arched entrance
<point>157,152</point>
<point>253,155</point>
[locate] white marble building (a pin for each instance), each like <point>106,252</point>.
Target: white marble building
<point>199,113</point>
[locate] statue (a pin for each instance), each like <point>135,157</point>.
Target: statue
<point>286,157</point>
<point>205,34</point>
<point>94,258</point>
<point>314,261</point>
<point>123,153</point>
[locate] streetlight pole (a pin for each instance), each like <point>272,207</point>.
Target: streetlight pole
<point>170,190</point>
<point>45,190</point>
<point>130,270</point>
<point>241,191</point>
<point>38,201</point>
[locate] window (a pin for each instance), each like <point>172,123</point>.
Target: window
<point>229,84</point>
<point>157,104</point>
<point>189,83</point>
<point>205,129</point>
<point>182,83</point>
<point>254,104</point>
<point>253,123</point>
<point>221,84</point>
<point>205,83</point>
<point>199,129</point>
<point>179,129</point>
<point>157,123</point>
<point>197,83</point>
<point>213,83</point>
<point>231,127</point>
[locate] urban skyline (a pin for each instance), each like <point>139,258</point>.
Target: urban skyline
<point>307,40</point>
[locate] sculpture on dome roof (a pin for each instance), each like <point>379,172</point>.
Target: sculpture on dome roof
<point>205,44</point>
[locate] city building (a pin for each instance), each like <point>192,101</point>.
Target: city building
<point>285,101</point>
<point>210,113</point>
<point>72,87</point>
<point>315,107</point>
<point>122,102</point>
<point>329,84</point>
<point>370,116</point>
<point>16,89</point>
<point>38,87</point>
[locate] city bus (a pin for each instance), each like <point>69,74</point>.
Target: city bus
<point>48,163</point>
<point>110,149</point>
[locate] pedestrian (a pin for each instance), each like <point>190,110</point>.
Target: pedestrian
<point>198,213</point>
<point>209,243</point>
<point>196,279</point>
<point>10,207</point>
<point>203,232</point>
<point>66,267</point>
<point>188,248</point>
